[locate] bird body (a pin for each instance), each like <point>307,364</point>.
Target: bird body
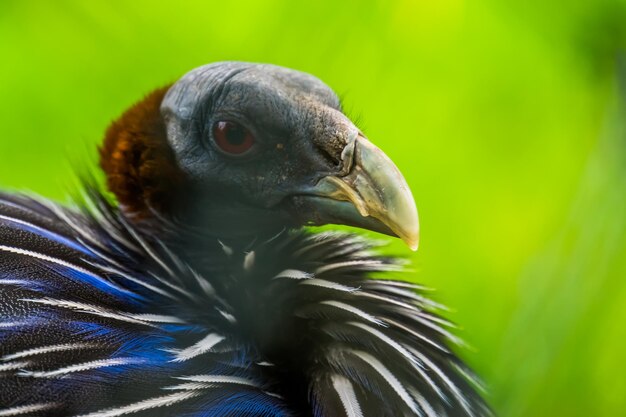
<point>200,294</point>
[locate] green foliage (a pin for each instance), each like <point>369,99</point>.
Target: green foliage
<point>503,115</point>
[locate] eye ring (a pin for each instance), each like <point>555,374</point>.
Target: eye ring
<point>232,138</point>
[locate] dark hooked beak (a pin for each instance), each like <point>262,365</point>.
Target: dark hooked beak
<point>370,193</point>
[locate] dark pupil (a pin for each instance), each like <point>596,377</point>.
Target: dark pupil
<point>235,135</point>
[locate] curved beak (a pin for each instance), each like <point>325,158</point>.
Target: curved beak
<point>370,193</point>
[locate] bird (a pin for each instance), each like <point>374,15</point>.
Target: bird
<point>191,283</point>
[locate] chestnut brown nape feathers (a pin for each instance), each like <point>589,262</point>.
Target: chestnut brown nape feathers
<point>139,165</point>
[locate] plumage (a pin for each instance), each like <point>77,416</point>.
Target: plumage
<point>147,308</point>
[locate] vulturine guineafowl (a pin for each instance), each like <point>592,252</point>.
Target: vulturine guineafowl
<point>201,293</point>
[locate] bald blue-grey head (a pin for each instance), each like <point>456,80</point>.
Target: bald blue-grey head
<point>262,147</point>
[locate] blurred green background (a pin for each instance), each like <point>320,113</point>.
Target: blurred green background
<point>504,116</point>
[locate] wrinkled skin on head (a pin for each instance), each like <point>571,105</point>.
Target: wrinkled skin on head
<point>295,118</point>
<point>309,164</point>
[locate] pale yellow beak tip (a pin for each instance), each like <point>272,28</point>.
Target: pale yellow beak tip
<point>411,237</point>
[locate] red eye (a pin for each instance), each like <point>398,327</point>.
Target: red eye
<point>232,138</point>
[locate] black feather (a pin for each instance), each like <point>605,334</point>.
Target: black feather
<point>99,317</point>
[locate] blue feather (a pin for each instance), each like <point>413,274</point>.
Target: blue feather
<point>46,234</point>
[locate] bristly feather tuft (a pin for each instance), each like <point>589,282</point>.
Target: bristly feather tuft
<point>100,318</point>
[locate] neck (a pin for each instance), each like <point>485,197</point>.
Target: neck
<point>197,224</point>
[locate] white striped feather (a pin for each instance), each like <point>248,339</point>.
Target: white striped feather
<point>19,221</point>
<point>174,286</point>
<point>203,283</point>
<point>148,249</point>
<point>388,377</point>
<point>407,294</point>
<point>149,404</point>
<point>356,249</point>
<point>229,317</point>
<point>47,349</point>
<point>198,386</point>
<point>22,410</point>
<point>12,324</point>
<point>293,274</point>
<point>227,249</point>
<point>456,340</point>
<point>35,227</point>
<point>128,277</point>
<point>351,309</point>
<point>57,261</point>
<point>388,300</point>
<point>16,282</point>
<point>248,261</point>
<point>472,379</point>
<point>432,384</point>
<point>400,284</point>
<point>386,340</point>
<point>106,222</point>
<point>202,346</point>
<point>446,380</point>
<point>100,254</point>
<point>273,394</point>
<point>420,368</point>
<point>424,404</point>
<point>276,236</point>
<point>374,264</point>
<point>67,219</point>
<point>417,334</point>
<point>88,309</point>
<point>219,379</point>
<point>309,247</point>
<point>120,239</point>
<point>347,395</point>
<point>11,366</point>
<point>156,318</point>
<point>319,239</point>
<point>191,386</point>
<point>328,284</point>
<point>182,266</point>
<point>439,320</point>
<point>81,367</point>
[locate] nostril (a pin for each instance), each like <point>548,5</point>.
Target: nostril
<point>338,152</point>
<point>332,157</point>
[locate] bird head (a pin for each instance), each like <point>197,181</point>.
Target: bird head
<point>241,149</point>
